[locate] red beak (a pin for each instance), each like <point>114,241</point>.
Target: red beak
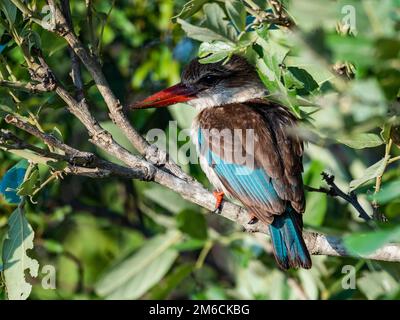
<point>166,97</point>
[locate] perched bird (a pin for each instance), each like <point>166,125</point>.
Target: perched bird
<point>245,148</point>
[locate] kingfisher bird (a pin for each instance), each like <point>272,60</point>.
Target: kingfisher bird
<point>264,171</point>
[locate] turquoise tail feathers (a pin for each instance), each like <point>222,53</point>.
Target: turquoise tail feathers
<point>289,248</point>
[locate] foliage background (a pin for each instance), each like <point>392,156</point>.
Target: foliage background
<point>130,239</point>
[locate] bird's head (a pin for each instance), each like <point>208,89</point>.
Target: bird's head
<point>210,85</point>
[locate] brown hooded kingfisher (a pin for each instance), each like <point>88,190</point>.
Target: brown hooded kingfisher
<point>230,99</point>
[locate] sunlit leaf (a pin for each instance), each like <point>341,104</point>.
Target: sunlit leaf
<point>30,184</point>
<point>376,283</point>
<point>18,240</point>
<point>361,140</point>
<point>389,191</point>
<point>200,33</point>
<point>370,173</point>
<point>217,21</point>
<point>212,52</point>
<point>317,203</point>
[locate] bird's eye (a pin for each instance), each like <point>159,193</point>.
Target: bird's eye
<point>209,79</point>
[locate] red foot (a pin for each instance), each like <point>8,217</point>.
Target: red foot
<point>219,196</point>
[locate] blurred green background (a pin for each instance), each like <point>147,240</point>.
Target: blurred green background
<point>126,239</point>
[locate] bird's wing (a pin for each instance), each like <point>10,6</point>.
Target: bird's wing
<point>250,151</point>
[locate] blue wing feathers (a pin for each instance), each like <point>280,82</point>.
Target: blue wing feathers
<point>289,247</point>
<point>255,186</point>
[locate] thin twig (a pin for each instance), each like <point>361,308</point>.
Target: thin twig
<point>375,205</point>
<point>26,87</point>
<point>334,191</point>
<point>95,168</point>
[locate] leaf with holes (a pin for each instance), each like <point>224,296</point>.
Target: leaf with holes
<point>215,51</point>
<point>18,240</point>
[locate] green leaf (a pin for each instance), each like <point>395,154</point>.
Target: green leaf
<point>199,33</point>
<point>237,13</point>
<point>317,203</point>
<point>215,26</point>
<point>375,284</point>
<point>388,192</point>
<point>117,134</point>
<point>166,198</point>
<point>192,223</point>
<point>190,245</point>
<point>358,50</point>
<point>368,242</point>
<point>215,51</point>
<point>57,165</point>
<point>4,110</point>
<point>183,114</point>
<point>361,140</point>
<point>371,172</point>
<point>9,10</point>
<point>134,276</point>
<point>190,8</point>
<point>169,284</point>
<point>30,184</point>
<point>18,240</point>
<point>306,79</point>
<point>32,38</point>
<point>217,21</point>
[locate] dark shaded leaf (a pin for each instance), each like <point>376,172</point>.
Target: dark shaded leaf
<point>192,223</point>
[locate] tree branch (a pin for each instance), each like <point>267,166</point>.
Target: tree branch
<point>152,169</point>
<point>26,87</point>
<point>77,165</point>
<point>334,191</point>
<point>151,153</point>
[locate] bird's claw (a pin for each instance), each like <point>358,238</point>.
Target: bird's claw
<point>217,210</point>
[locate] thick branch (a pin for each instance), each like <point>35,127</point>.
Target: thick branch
<point>178,181</point>
<point>318,244</point>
